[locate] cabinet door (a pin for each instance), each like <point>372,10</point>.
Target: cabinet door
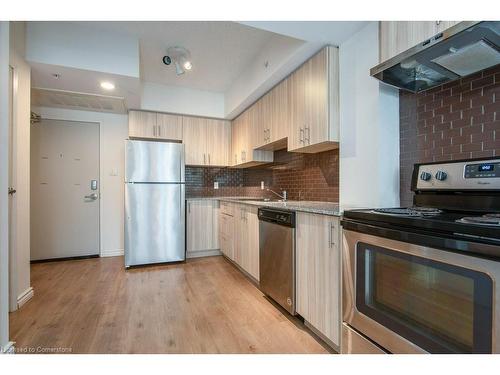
<point>240,236</point>
<point>169,126</point>
<point>316,126</point>
<point>142,124</point>
<point>252,226</point>
<point>195,140</point>
<point>278,128</point>
<point>218,142</point>
<point>202,225</point>
<point>226,235</point>
<point>296,98</point>
<point>264,126</point>
<point>398,36</point>
<point>318,273</point>
<point>235,139</point>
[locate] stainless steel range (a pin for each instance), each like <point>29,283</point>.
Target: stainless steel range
<point>423,279</point>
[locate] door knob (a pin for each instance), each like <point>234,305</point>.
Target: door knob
<point>92,196</point>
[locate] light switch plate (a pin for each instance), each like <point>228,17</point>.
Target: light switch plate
<point>216,185</point>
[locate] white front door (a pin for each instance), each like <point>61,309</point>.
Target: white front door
<point>64,189</point>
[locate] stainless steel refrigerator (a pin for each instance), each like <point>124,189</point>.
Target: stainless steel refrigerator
<point>154,203</point>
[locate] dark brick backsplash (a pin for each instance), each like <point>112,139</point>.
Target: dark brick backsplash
<point>457,120</point>
<point>303,176</point>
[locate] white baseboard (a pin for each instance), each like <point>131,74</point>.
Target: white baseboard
<point>202,253</point>
<point>8,349</point>
<point>112,253</point>
<point>24,297</point>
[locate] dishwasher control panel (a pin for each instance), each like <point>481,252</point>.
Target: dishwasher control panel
<point>280,217</point>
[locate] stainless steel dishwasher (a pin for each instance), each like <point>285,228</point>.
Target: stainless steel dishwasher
<point>277,256</point>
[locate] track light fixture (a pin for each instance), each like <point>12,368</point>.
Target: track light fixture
<point>181,58</point>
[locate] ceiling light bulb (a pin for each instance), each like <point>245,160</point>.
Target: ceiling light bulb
<point>188,65</point>
<point>107,86</point>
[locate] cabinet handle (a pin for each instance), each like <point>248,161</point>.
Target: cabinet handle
<point>159,131</point>
<point>154,130</point>
<point>204,159</point>
<point>235,158</point>
<point>301,137</point>
<point>332,226</point>
<point>208,159</point>
<point>308,135</point>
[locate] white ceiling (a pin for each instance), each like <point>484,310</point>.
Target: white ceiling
<point>85,81</point>
<point>220,51</point>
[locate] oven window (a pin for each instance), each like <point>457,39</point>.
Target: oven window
<point>439,307</point>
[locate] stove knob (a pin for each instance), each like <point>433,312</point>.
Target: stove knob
<point>425,176</point>
<point>441,176</point>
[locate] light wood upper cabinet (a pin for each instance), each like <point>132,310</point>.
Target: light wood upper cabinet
<point>318,271</point>
<point>245,132</point>
<point>143,124</point>
<point>207,141</point>
<point>169,126</point>
<point>202,226</point>
<point>313,101</point>
<point>218,142</point>
<point>273,125</point>
<point>399,36</point>
<point>195,140</point>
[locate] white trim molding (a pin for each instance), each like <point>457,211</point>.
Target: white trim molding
<point>112,253</point>
<point>24,297</point>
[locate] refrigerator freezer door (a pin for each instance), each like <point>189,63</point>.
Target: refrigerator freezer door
<point>154,223</point>
<point>154,162</point>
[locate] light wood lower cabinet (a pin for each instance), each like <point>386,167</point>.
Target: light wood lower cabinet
<point>241,235</point>
<point>318,275</point>
<point>202,227</point>
<point>226,230</point>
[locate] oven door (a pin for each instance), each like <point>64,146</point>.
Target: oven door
<point>416,299</point>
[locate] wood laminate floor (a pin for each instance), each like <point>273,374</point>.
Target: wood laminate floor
<point>202,306</point>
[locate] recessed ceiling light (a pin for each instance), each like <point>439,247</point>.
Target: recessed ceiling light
<point>107,85</point>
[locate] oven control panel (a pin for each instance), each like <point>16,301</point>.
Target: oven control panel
<point>459,175</point>
<point>482,170</point>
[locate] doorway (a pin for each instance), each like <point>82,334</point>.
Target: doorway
<point>65,190</point>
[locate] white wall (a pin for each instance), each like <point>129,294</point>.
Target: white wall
<point>82,47</point>
<point>176,99</point>
<point>20,286</point>
<point>4,200</point>
<point>113,132</point>
<point>369,127</point>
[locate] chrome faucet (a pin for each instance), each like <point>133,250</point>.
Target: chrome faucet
<point>283,197</point>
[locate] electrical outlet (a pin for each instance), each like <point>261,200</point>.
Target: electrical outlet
<point>262,185</point>
<point>216,185</point>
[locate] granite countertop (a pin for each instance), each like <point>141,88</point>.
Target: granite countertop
<point>315,207</point>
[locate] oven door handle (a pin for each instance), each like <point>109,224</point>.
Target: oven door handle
<point>487,248</point>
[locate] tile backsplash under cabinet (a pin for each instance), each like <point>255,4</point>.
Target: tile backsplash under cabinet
<point>457,120</point>
<point>303,176</point>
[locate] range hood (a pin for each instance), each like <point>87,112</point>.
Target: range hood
<point>466,48</point>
